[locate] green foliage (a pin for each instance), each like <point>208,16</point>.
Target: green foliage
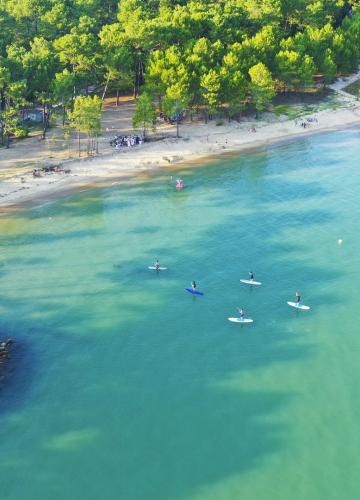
<point>174,103</point>
<point>262,86</point>
<point>63,86</point>
<point>10,124</point>
<point>328,66</point>
<point>294,70</point>
<point>198,54</point>
<point>145,114</point>
<point>86,114</point>
<point>20,132</point>
<point>86,117</point>
<point>210,88</point>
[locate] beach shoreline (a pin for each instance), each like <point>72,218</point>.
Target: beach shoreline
<point>199,143</point>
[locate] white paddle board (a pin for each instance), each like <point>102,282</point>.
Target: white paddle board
<point>241,320</point>
<point>251,282</point>
<point>298,306</point>
<point>158,269</point>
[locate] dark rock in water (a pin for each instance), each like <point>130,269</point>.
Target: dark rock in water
<point>5,348</point>
<point>5,344</point>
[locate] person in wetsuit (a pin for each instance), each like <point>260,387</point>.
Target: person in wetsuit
<point>157,264</point>
<point>298,298</point>
<point>193,285</point>
<point>251,276</point>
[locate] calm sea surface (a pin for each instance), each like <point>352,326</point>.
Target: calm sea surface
<point>124,386</point>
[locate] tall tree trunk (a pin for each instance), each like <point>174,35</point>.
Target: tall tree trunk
<point>177,127</point>
<point>135,84</point>
<point>137,80</point>
<point>45,121</point>
<point>117,97</point>
<point>79,151</point>
<point>105,88</point>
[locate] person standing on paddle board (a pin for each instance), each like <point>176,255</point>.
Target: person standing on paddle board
<point>193,285</point>
<point>157,264</point>
<point>241,311</point>
<point>251,276</point>
<point>298,298</point>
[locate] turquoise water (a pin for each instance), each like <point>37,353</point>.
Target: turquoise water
<point>123,386</point>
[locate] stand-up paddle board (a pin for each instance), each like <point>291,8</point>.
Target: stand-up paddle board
<point>298,306</point>
<point>251,282</point>
<point>241,320</point>
<point>194,292</point>
<point>158,268</point>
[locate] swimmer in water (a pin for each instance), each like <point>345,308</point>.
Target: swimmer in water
<point>251,276</point>
<point>193,285</point>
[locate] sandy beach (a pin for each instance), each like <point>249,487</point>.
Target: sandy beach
<point>198,141</point>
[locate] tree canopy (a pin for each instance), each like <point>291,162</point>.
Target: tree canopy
<point>184,53</point>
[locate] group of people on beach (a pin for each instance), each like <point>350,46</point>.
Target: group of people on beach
<point>307,122</point>
<point>176,118</point>
<point>120,141</point>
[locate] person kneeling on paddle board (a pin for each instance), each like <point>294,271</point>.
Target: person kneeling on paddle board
<point>298,298</point>
<point>251,276</point>
<point>193,285</point>
<point>241,311</point>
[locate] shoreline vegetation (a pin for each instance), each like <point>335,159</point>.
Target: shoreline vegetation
<point>197,142</point>
<point>211,76</point>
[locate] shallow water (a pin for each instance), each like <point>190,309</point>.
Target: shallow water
<point>123,386</point>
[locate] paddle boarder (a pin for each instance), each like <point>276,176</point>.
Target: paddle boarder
<point>251,276</point>
<point>298,298</point>
<point>157,264</point>
<point>193,285</point>
<point>241,311</point>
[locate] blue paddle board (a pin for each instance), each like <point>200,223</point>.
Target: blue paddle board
<point>194,292</point>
